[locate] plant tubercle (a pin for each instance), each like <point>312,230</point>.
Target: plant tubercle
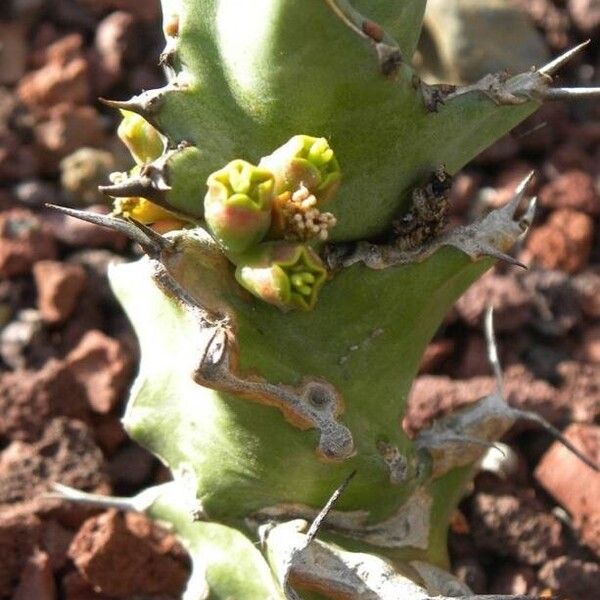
<point>290,191</point>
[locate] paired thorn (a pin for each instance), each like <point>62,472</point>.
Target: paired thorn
<point>557,435</point>
<point>492,351</point>
<point>318,521</point>
<point>152,243</point>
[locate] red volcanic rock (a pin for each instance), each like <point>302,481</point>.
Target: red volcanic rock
<point>59,286</point>
<point>24,239</point>
<point>145,560</point>
<point>574,189</point>
<point>563,242</point>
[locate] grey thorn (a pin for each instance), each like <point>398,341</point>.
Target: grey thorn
<point>150,244</point>
<point>557,434</point>
<point>138,503</point>
<point>492,349</point>
<point>138,185</point>
<point>318,521</point>
<point>492,252</point>
<point>132,105</point>
<point>555,64</point>
<point>571,93</point>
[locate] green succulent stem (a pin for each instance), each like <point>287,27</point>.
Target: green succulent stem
<point>273,365</point>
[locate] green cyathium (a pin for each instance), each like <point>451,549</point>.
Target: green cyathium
<point>278,342</point>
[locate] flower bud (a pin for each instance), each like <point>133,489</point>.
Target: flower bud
<point>285,274</point>
<point>304,161</point>
<point>237,206</point>
<point>142,139</point>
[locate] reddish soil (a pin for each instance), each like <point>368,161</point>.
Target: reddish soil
<point>67,354</point>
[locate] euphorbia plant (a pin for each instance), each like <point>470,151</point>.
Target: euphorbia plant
<point>290,193</point>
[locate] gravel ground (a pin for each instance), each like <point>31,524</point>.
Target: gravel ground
<point>68,355</point>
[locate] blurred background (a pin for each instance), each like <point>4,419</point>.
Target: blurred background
<point>531,523</point>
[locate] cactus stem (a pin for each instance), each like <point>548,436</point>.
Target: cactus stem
<point>388,51</point>
<point>491,236</point>
<point>151,242</point>
<point>315,405</point>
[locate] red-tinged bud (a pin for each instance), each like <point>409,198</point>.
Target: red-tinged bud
<point>305,161</point>
<point>284,274</point>
<point>237,206</point>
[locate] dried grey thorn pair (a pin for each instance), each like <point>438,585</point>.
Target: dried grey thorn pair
<point>492,236</point>
<point>456,439</point>
<point>505,90</point>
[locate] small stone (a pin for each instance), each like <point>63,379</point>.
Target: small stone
<point>470,572</point>
<point>66,453</point>
<point>574,189</point>
<point>554,300</point>
<point>463,190</point>
<point>473,359</point>
<point>579,391</point>
<point>585,14</point>
<point>21,337</point>
<point>117,41</point>
<point>109,433</point>
<point>83,171</point>
<point>130,467</point>
<point>515,526</point>
<point>36,192</point>
<point>101,366</point>
<point>55,541</point>
<point>550,18</point>
<point>571,578</point>
<point>19,535</point>
<point>63,78</point>
<point>24,239</point>
<point>37,579</point>
<point>512,305</point>
<point>587,290</point>
<point>590,346</point>
<point>436,354</point>
<point>59,286</point>
<point>144,11</point>
<point>571,482</point>
<point>66,128</point>
<point>110,543</point>
<point>563,242</point>
<point>473,38</point>
<point>75,587</point>
<point>80,234</point>
<point>13,52</point>
<point>512,579</point>
<point>28,399</point>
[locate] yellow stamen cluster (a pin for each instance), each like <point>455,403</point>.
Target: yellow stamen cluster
<point>303,220</point>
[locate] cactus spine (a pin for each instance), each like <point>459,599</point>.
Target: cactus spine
<point>279,341</point>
